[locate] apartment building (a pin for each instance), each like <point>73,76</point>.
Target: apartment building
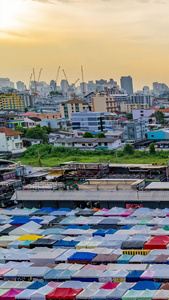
<point>72,106</point>
<point>134,130</point>
<point>11,101</point>
<point>88,121</point>
<point>102,102</point>
<point>129,107</point>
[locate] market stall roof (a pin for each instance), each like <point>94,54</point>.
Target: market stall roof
<point>63,293</point>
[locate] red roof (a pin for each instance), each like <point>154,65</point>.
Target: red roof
<point>157,242</point>
<point>9,132</point>
<point>63,293</point>
<point>109,285</point>
<point>158,109</point>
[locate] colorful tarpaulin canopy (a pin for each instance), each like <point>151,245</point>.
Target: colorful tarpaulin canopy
<point>63,293</point>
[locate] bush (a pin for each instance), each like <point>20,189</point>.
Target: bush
<point>152,148</point>
<point>87,135</point>
<point>128,149</point>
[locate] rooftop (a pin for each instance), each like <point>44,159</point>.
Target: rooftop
<point>9,132</point>
<point>104,196</point>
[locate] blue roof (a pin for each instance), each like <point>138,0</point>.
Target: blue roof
<point>82,256</point>
<point>84,227</point>
<point>143,285</point>
<point>36,285</point>
<point>100,232</point>
<point>134,276</point>
<point>111,231</point>
<point>126,227</point>
<point>49,209</point>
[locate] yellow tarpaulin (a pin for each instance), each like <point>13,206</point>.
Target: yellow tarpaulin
<point>30,237</point>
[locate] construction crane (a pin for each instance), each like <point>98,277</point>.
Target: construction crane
<point>30,81</point>
<point>83,88</point>
<point>36,82</point>
<point>34,77</point>
<point>57,76</point>
<point>72,85</point>
<point>66,80</point>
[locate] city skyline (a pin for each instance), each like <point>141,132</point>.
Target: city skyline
<point>110,38</point>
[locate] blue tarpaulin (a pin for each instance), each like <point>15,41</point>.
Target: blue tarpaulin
<point>82,256</point>
<point>134,276</point>
<point>100,232</point>
<point>143,285</point>
<point>36,285</point>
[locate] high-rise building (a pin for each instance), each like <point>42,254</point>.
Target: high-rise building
<point>53,85</point>
<point>146,90</point>
<point>160,88</point>
<point>64,85</point>
<point>20,86</point>
<point>6,83</point>
<point>127,84</point>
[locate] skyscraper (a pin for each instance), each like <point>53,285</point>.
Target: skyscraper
<point>20,86</point>
<point>53,85</point>
<point>127,84</point>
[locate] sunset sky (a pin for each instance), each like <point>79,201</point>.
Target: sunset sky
<point>109,38</point>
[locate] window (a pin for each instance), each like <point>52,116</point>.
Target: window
<point>83,144</point>
<point>15,137</point>
<point>152,135</point>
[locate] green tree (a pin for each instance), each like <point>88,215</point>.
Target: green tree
<point>21,129</point>
<point>152,148</point>
<point>101,135</point>
<point>159,115</point>
<point>129,116</point>
<point>36,133</point>
<point>88,135</point>
<point>26,109</point>
<point>128,149</point>
<point>47,129</point>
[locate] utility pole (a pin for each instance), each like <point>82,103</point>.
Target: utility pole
<point>116,158</point>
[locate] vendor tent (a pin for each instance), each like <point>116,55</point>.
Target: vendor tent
<point>63,293</point>
<point>10,295</point>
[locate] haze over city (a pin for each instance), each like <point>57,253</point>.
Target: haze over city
<point>109,38</point>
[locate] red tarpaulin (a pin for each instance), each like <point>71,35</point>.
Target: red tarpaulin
<point>157,242</point>
<point>109,285</point>
<point>63,293</point>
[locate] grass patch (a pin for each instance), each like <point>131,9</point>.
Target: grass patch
<point>55,161</point>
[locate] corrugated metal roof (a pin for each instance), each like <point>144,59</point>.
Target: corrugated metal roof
<point>91,196</point>
<point>158,186</point>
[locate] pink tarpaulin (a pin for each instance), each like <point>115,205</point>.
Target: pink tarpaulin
<point>4,271</point>
<point>147,275</point>
<point>104,209</point>
<point>54,284</point>
<point>11,294</point>
<point>95,267</point>
<point>126,213</point>
<point>109,285</point>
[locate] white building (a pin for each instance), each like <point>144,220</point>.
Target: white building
<point>89,143</point>
<point>88,121</point>
<point>10,139</point>
<point>55,123</point>
<point>142,113</point>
